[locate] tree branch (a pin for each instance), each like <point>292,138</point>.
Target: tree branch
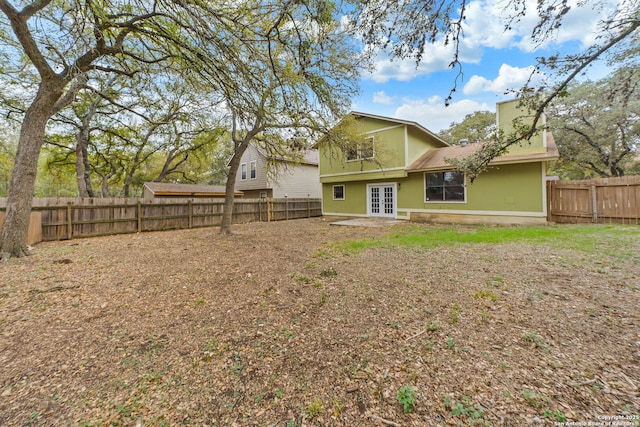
<point>31,9</point>
<point>25,38</point>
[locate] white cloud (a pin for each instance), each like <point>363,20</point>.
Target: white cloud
<point>485,27</point>
<point>382,98</point>
<point>433,114</point>
<point>508,78</point>
<point>436,58</point>
<point>486,22</point>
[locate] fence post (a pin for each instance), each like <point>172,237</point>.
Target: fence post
<point>549,199</point>
<point>594,204</point>
<point>190,214</point>
<point>286,208</point>
<point>308,206</point>
<point>139,217</point>
<point>69,222</point>
<point>269,209</point>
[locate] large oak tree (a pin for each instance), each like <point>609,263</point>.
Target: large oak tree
<point>597,126</point>
<point>233,48</point>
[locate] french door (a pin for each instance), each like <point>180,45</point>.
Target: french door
<point>381,200</point>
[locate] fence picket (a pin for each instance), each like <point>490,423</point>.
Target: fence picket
<point>68,218</point>
<point>602,200</point>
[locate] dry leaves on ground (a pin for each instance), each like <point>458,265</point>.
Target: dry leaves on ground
<point>274,326</point>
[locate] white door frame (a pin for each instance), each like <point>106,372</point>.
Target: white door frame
<point>394,196</point>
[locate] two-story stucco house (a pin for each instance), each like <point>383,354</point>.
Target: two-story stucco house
<point>401,172</point>
<point>261,175</point>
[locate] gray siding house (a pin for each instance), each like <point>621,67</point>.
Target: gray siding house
<point>261,175</point>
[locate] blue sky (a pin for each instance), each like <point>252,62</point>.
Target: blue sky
<point>493,60</point>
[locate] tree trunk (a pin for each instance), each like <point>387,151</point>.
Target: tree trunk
<point>83,168</point>
<point>82,172</point>
<point>13,237</point>
<point>227,213</point>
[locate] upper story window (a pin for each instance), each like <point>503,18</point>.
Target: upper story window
<point>362,151</point>
<point>252,170</point>
<point>444,187</point>
<point>243,171</point>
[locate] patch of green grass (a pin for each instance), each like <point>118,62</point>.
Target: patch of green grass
<point>338,406</point>
<point>454,314</point>
<point>432,326</point>
<point>154,376</point>
<point>486,294</point>
<point>239,365</point>
<point>302,278</point>
<point>534,399</point>
<point>532,337</point>
<point>463,408</point>
<point>323,299</point>
<point>451,343</point>
<point>557,415</point>
<point>585,238</point>
<point>329,273</point>
<point>315,408</point>
<point>211,346</point>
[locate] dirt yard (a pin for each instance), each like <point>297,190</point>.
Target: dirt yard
<point>276,326</point>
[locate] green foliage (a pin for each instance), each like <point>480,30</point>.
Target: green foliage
<point>596,127</point>
<point>315,408</point>
<point>323,299</point>
<point>454,314</point>
<point>8,145</point>
<point>451,343</point>
<point>532,398</point>
<point>556,415</point>
<point>532,337</point>
<point>474,414</point>
<point>302,278</point>
<point>486,294</point>
<point>329,273</point>
<point>211,346</point>
<point>475,127</point>
<point>406,396</point>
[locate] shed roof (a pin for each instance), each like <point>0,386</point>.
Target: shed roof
<point>436,159</point>
<point>192,190</point>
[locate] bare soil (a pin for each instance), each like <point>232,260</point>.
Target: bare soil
<point>274,326</point>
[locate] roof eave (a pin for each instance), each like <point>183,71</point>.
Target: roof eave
<point>494,162</point>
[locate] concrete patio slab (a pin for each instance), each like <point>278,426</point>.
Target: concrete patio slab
<point>368,222</point>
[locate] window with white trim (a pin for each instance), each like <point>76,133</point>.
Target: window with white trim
<point>362,151</point>
<point>338,192</point>
<point>252,170</point>
<point>243,171</point>
<point>444,187</point>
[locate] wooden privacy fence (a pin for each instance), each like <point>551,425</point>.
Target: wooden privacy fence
<point>68,218</point>
<point>604,200</point>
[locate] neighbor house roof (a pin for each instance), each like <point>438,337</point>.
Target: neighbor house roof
<point>436,159</point>
<point>303,157</point>
<point>193,190</point>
